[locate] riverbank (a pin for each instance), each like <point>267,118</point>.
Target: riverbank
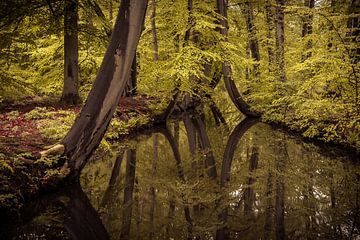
<point>27,129</point>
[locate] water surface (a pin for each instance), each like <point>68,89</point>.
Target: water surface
<point>196,180</point>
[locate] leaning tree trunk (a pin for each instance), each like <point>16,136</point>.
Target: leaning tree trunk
<point>234,94</point>
<point>90,126</point>
<point>70,94</point>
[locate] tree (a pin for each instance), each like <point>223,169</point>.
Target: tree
<point>253,42</point>
<point>307,27</point>
<point>91,124</point>
<point>229,82</point>
<point>280,40</point>
<point>70,94</point>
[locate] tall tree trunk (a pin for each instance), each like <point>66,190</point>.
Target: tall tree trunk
<point>353,34</point>
<point>253,42</point>
<point>234,94</point>
<point>154,31</point>
<point>269,13</point>
<point>70,94</point>
<point>307,27</point>
<point>128,193</point>
<point>91,124</point>
<point>131,87</point>
<point>280,40</point>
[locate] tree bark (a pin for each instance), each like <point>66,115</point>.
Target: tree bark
<point>234,94</point>
<point>210,162</point>
<point>253,42</point>
<point>70,93</point>
<point>154,31</point>
<point>90,126</point>
<point>280,41</point>
<point>269,13</point>
<point>128,194</point>
<point>307,27</point>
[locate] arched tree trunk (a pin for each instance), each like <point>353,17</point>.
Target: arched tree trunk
<point>70,94</point>
<point>234,94</point>
<point>90,126</point>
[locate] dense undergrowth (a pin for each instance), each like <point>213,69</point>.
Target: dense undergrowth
<point>25,132</point>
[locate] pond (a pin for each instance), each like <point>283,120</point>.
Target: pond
<point>196,180</point>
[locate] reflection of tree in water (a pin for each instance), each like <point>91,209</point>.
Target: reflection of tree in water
<point>65,215</point>
<point>269,185</point>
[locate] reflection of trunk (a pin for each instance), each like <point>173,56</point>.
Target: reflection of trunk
<point>210,163</point>
<point>115,174</point>
<point>280,39</point>
<point>70,94</point>
<point>91,124</point>
<point>309,198</point>
<point>269,207</point>
<point>235,136</point>
<point>219,119</point>
<point>138,203</point>
<point>84,221</point>
<point>249,194</point>
<point>253,42</point>
<point>170,217</point>
<point>128,193</point>
<point>229,82</point>
<point>335,226</point>
<point>152,189</point>
<point>191,136</point>
<point>175,149</point>
<point>69,207</point>
<point>280,192</point>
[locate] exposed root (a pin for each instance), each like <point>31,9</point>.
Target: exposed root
<point>56,149</point>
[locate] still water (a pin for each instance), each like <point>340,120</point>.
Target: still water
<point>196,180</point>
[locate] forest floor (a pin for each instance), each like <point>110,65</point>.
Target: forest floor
<point>26,128</point>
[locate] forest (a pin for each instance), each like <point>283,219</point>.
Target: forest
<point>179,119</point>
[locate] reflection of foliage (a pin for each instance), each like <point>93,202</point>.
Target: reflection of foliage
<point>312,181</point>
